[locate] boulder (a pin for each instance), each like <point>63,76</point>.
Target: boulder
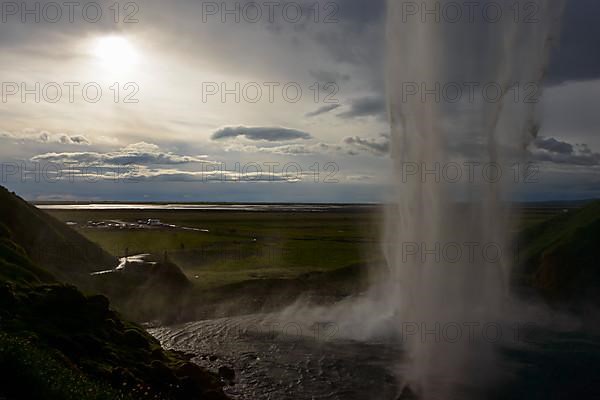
<point>226,373</point>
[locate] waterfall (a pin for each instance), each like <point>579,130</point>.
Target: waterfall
<point>463,83</point>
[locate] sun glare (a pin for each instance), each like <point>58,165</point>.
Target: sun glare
<point>116,53</point>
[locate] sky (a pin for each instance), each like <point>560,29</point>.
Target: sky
<point>243,101</point>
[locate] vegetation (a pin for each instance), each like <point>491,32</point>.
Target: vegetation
<point>251,260</point>
<point>48,242</point>
<point>240,246</point>
<point>237,262</point>
<point>559,256</point>
<point>57,343</point>
<point>30,372</point>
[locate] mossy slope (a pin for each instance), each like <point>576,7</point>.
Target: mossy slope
<point>57,343</point>
<point>560,256</point>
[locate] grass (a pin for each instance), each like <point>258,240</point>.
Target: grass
<point>58,343</point>
<point>29,371</point>
<point>249,261</point>
<point>559,256</point>
<point>241,246</point>
<point>244,246</point>
<point>49,244</point>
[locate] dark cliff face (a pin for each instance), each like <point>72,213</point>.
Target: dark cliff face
<point>57,343</point>
<point>559,257</point>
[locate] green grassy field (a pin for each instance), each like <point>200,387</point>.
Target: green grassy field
<point>240,246</point>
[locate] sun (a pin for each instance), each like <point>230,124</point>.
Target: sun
<point>116,53</point>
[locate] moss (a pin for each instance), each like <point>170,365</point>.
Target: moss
<point>559,256</point>
<point>58,343</point>
<point>30,371</point>
<point>90,340</point>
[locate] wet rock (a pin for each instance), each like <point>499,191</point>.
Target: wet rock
<point>122,377</point>
<point>7,297</point>
<point>158,354</point>
<point>226,373</point>
<point>213,395</point>
<point>184,355</point>
<point>161,372</point>
<point>195,377</point>
<point>99,304</point>
<point>408,394</point>
<point>188,369</point>
<point>134,338</point>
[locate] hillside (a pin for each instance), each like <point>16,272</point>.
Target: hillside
<point>49,243</point>
<point>559,256</point>
<point>57,343</point>
<point>142,294</point>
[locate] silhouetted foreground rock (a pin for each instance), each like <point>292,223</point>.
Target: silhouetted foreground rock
<point>408,394</point>
<point>90,339</point>
<point>61,253</point>
<point>57,343</point>
<point>226,373</point>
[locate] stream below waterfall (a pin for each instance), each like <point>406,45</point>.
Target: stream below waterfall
<point>280,360</point>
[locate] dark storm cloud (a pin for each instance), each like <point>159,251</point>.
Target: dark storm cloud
<point>553,145</point>
<point>577,57</point>
<point>329,76</point>
<point>322,110</point>
<point>360,11</point>
<point>360,36</point>
<point>356,37</point>
<point>560,152</point>
<point>271,134</point>
<point>366,106</point>
<point>357,41</point>
<point>547,150</point>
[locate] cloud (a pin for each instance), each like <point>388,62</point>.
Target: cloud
<point>32,135</point>
<point>271,134</point>
<point>212,175</point>
<point>139,174</point>
<point>360,178</point>
<point>560,152</point>
<point>553,145</point>
<point>76,139</point>
<point>352,146</point>
<point>141,153</point>
<point>576,56</point>
<point>365,107</point>
<point>329,76</point>
<point>322,110</point>
<point>288,149</point>
<point>379,147</point>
